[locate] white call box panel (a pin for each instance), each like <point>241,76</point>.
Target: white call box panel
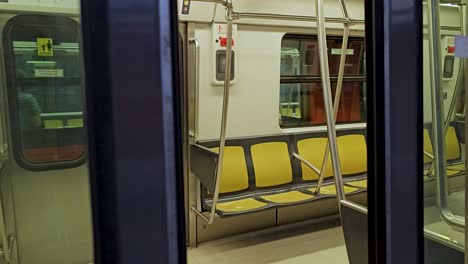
<point>218,52</point>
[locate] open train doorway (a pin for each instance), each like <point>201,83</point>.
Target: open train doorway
<point>259,174</point>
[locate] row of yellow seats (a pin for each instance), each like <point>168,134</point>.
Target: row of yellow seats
<point>452,151</point>
<point>272,167</point>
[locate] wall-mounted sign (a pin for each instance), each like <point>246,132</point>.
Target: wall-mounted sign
<point>186,7</point>
<point>44,47</point>
<point>48,73</point>
<point>338,52</point>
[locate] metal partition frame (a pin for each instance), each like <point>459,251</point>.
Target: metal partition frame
<point>135,154</point>
<point>395,125</point>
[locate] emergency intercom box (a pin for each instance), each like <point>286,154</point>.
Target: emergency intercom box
<point>448,58</point>
<point>219,43</point>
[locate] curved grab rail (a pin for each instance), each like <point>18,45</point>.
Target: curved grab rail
<point>327,98</point>
<point>224,116</point>
<point>438,124</point>
<point>457,92</point>
<point>339,87</point>
<point>193,41</point>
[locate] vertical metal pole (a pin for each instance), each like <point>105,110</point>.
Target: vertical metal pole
<point>227,84</point>
<point>339,87</point>
<point>327,97</point>
<point>437,102</point>
<point>192,128</point>
<point>456,93</point>
<point>464,13</point>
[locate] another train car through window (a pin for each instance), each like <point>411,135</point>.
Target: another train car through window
<point>301,101</point>
<point>45,91</point>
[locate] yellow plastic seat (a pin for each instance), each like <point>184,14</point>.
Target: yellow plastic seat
<point>272,164</point>
<point>352,150</point>
<point>426,172</point>
<point>234,175</point>
<point>353,154</point>
<point>451,173</point>
<point>456,167</point>
<point>240,205</point>
<point>287,197</point>
<point>313,149</point>
<point>452,145</point>
<point>331,189</point>
<point>360,184</point>
<point>427,146</point>
<point>235,178</point>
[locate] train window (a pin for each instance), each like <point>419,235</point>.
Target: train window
<point>45,91</point>
<point>301,101</point>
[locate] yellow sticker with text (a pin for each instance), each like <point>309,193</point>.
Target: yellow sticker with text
<point>44,47</point>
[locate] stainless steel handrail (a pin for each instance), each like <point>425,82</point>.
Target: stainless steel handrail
<point>438,119</point>
<point>254,15</point>
<point>337,20</point>
<point>7,242</point>
<point>196,43</point>
<point>327,98</point>
<point>457,92</point>
<point>354,206</point>
<point>339,87</point>
<point>344,10</point>
<point>306,162</point>
<point>429,155</point>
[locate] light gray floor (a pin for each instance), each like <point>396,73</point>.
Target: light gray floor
<point>284,247</point>
<point>434,223</point>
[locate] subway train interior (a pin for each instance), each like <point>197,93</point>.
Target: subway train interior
<point>275,160</point>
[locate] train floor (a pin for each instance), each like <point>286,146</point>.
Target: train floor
<point>434,223</point>
<point>322,243</point>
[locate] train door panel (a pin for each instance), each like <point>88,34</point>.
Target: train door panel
<point>45,102</point>
<point>8,250</point>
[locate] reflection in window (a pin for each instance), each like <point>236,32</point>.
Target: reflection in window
<point>46,82</point>
<point>301,101</point>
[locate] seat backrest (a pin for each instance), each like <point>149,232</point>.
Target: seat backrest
<point>271,163</point>
<point>452,145</point>
<point>427,146</point>
<point>353,154</point>
<point>313,149</point>
<point>234,176</point>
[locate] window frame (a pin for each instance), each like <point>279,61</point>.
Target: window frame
<point>11,81</point>
<point>309,79</point>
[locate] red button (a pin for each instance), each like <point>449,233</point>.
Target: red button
<point>223,42</point>
<point>451,49</point>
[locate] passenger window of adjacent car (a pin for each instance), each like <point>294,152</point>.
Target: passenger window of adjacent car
<point>301,99</point>
<point>45,92</point>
